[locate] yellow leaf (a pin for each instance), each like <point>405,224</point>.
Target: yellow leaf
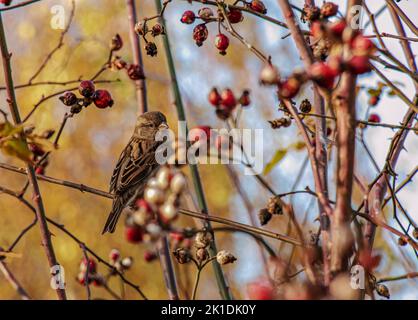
<point>279,155</point>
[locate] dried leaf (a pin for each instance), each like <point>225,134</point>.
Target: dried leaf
<point>279,155</point>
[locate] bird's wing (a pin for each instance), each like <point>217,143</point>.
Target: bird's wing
<point>134,166</point>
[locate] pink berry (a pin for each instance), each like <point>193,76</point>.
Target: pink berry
<point>289,88</point>
<point>362,46</point>
<point>337,28</point>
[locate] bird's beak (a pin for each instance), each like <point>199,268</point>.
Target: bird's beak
<point>163,126</point>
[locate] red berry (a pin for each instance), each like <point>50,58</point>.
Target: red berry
<point>359,64</point>
<point>329,9</point>
<point>258,6</point>
<point>316,29</point>
<point>177,236</point>
<point>244,100</point>
<point>188,17</point>
<point>335,64</point>
<point>374,118</point>
<point>337,28</point>
<point>289,88</point>
<point>135,72</point>
<point>92,265</point>
<point>114,255</point>
<point>362,46</point>
<point>221,43</point>
<point>260,290</point>
<point>322,74</point>
<point>133,234</point>
<point>68,98</point>
<point>40,170</point>
<point>6,2</point>
<point>102,99</point>
<point>200,34</point>
<point>149,256</point>
<point>374,100</point>
<point>228,99</point>
<point>200,133</point>
<point>86,88</point>
<point>214,97</point>
<point>235,16</point>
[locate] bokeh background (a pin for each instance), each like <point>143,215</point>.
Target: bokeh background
<point>93,139</point>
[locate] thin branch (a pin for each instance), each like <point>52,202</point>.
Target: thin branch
<point>19,5</point>
<point>13,281</point>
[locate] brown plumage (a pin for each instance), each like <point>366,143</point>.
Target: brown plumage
<point>135,166</point>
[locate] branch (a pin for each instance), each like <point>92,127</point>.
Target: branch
<point>19,5</point>
<point>13,281</point>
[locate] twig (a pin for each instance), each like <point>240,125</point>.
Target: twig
<point>13,281</point>
<point>19,5</point>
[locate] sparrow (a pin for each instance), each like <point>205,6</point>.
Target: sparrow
<point>137,163</point>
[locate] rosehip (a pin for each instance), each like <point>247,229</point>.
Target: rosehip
<point>102,99</point>
<point>289,88</point>
<point>86,88</point>
<point>214,97</point>
<point>329,9</point>
<point>188,17</point>
<point>68,98</point>
<point>244,100</point>
<point>228,99</point>
<point>149,256</point>
<point>374,100</point>
<point>116,43</point>
<point>133,234</point>
<point>260,291</point>
<point>374,118</point>
<point>362,46</point>
<point>258,6</point>
<point>135,72</point>
<point>205,14</point>
<point>322,74</point>
<point>221,43</point>
<point>200,34</point>
<point>359,65</point>
<point>235,16</point>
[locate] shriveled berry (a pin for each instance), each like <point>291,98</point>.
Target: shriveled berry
<point>221,43</point>
<point>235,16</point>
<point>258,6</point>
<point>200,34</point>
<point>188,17</point>
<point>102,99</point>
<point>305,106</point>
<point>151,49</point>
<point>116,43</point>
<point>214,97</point>
<point>310,13</point>
<point>76,109</point>
<point>135,72</point>
<point>157,29</point>
<point>86,88</point>
<point>329,9</point>
<point>374,118</point>
<point>68,98</point>
<point>228,99</point>
<point>133,234</point>
<point>359,64</point>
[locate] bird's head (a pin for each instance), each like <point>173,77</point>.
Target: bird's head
<point>149,123</point>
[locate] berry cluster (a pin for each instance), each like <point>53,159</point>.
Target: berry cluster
<point>101,98</point>
<point>226,102</point>
<point>88,272</point>
<point>158,208</point>
<point>312,13</point>
<point>141,28</point>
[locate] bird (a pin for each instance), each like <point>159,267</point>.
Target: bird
<point>137,163</point>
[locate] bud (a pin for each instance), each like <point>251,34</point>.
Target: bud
<point>182,255</point>
<point>225,257</point>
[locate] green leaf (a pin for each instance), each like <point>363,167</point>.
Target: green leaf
<point>278,156</point>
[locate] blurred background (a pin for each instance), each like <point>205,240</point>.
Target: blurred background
<point>93,140</point>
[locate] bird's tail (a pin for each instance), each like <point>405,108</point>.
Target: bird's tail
<point>114,215</point>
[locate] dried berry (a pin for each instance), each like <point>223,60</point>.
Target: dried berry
<point>274,206</point>
<point>116,43</point>
<point>182,255</point>
<point>202,239</point>
<point>244,100</point>
<point>157,30</point>
<point>264,216</point>
<point>202,254</point>
<point>206,14</point>
<point>86,88</point>
<point>305,106</point>
<point>102,99</point>
<point>310,13</point>
<point>188,17</point>
<point>382,290</point>
<point>151,49</point>
<point>135,72</point>
<point>68,98</point>
<point>258,6</point>
<point>200,34</point>
<point>402,242</point>
<point>141,28</point>
<point>221,43</point>
<point>281,122</point>
<point>224,257</point>
<point>76,109</point>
